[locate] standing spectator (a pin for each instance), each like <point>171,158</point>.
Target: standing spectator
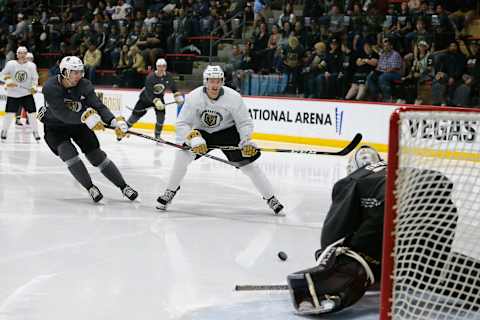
<point>388,70</point>
<point>448,73</point>
<point>315,67</point>
<point>292,62</point>
<point>121,11</point>
<point>329,83</point>
<point>91,60</point>
<point>365,62</point>
<point>467,92</point>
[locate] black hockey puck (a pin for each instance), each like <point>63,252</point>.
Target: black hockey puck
<point>282,255</point>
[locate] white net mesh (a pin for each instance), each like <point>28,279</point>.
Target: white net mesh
<point>436,254</point>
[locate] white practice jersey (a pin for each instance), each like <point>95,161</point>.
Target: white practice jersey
<point>24,75</point>
<point>200,112</point>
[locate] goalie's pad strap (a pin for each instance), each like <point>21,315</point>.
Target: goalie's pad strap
<point>311,289</point>
<point>356,256</point>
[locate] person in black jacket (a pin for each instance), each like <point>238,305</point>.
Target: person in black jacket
<point>72,112</point>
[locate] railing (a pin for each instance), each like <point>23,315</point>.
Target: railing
<point>214,42</point>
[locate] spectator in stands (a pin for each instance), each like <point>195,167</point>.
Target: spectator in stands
<point>286,32</point>
<point>121,11</point>
<point>467,93</point>
<point>365,63</point>
<point>420,73</point>
<point>388,70</point>
<point>132,73</point>
<point>150,20</point>
<point>91,61</point>
<point>260,43</point>
<point>329,83</point>
<point>420,34</point>
<point>113,44</point>
<point>292,62</point>
<point>336,27</point>
<point>21,26</point>
<point>315,66</point>
<point>449,70</point>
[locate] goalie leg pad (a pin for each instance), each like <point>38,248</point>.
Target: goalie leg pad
<point>333,285</point>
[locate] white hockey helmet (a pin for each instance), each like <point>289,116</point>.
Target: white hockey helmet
<point>161,62</point>
<point>69,63</point>
<point>363,156</point>
<point>22,49</point>
<point>213,72</point>
<point>29,56</point>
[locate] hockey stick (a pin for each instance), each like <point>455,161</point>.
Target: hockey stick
<point>179,146</point>
<point>346,150</point>
<point>268,287</point>
<point>146,109</point>
<point>17,85</point>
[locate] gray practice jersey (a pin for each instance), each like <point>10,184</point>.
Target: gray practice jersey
<point>65,106</point>
<point>155,87</point>
<point>201,112</point>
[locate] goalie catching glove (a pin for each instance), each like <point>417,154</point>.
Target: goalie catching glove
<point>158,104</point>
<point>92,119</point>
<point>248,148</point>
<point>120,126</point>
<point>339,280</point>
<point>196,142</point>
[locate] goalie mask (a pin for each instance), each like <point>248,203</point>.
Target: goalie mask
<point>339,280</point>
<point>363,156</point>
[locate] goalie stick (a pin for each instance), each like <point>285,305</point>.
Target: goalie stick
<point>141,135</point>
<point>346,150</point>
<point>267,287</point>
<point>146,109</point>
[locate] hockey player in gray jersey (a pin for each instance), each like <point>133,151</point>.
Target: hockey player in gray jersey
<point>71,113</point>
<point>152,95</point>
<point>21,80</point>
<point>216,115</point>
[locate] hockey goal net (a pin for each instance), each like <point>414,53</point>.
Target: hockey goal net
<point>431,250</point>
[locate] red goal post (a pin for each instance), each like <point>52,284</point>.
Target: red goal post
<point>430,249</point>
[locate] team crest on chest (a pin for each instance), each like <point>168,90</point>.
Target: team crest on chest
<point>21,76</point>
<point>158,88</point>
<point>75,106</point>
<point>211,118</point>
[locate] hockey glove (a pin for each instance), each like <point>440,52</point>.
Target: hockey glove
<point>120,126</point>
<point>33,90</point>
<point>249,148</point>
<point>9,83</point>
<point>157,102</point>
<point>197,143</point>
<point>92,119</point>
<point>179,98</point>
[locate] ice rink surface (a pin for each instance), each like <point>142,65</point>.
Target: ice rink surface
<point>64,257</point>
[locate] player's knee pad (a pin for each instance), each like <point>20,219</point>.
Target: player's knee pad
<point>98,158</point>
<point>67,152</point>
<point>338,281</point>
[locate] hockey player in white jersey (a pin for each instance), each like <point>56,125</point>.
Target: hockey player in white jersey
<point>216,115</point>
<point>21,80</point>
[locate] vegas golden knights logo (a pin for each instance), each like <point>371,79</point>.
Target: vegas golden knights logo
<point>75,106</point>
<point>211,118</point>
<point>21,76</point>
<point>158,88</point>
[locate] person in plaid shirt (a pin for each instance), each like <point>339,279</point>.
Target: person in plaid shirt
<point>388,70</point>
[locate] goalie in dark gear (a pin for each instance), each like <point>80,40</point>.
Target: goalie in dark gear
<point>348,262</point>
<point>356,217</point>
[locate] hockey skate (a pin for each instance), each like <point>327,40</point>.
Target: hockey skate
<point>95,193</point>
<point>130,193</point>
<point>36,135</point>
<point>18,121</point>
<point>275,205</point>
<point>165,199</point>
<point>3,135</point>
